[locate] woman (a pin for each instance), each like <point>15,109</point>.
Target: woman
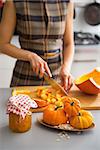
<point>45,29</point>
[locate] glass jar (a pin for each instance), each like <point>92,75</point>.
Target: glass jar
<point>19,124</point>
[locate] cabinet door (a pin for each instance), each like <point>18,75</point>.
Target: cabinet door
<point>80,68</point>
<point>5,77</point>
<point>6,62</point>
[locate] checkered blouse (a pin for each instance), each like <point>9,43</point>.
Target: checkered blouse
<point>40,26</point>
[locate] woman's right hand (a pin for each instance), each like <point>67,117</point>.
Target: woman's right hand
<point>39,66</point>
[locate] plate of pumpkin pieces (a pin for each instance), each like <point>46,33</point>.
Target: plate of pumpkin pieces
<point>69,117</point>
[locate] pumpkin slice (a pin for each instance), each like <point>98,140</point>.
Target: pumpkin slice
<point>41,103</point>
<point>89,83</point>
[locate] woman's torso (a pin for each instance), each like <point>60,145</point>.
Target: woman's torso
<point>40,26</point>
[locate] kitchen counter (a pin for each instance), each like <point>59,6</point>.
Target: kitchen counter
<point>42,138</point>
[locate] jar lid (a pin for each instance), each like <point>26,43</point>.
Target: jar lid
<point>20,104</point>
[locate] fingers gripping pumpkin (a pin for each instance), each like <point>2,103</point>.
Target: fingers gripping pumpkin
<point>54,115</point>
<point>71,106</point>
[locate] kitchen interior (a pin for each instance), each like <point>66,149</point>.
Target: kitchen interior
<point>87,57</point>
<point>87,46</point>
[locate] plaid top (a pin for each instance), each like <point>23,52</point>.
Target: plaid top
<point>40,26</point>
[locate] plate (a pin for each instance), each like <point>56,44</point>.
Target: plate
<point>64,127</point>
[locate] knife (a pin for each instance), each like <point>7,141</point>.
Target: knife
<point>54,84</point>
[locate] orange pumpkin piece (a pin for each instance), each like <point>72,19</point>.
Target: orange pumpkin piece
<point>41,103</point>
<point>82,120</point>
<point>54,115</point>
<point>71,106</point>
<point>21,91</point>
<point>89,83</point>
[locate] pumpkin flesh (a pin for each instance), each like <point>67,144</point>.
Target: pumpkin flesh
<point>89,83</point>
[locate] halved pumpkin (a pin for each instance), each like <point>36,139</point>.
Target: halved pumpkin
<point>89,83</point>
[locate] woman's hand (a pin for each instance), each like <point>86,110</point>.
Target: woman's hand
<point>66,78</point>
<point>39,66</point>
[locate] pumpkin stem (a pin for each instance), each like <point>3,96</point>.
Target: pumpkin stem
<point>79,114</point>
<point>57,107</point>
<point>72,103</point>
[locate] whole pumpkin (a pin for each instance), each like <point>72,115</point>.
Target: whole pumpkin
<point>82,120</point>
<point>71,106</point>
<point>54,115</point>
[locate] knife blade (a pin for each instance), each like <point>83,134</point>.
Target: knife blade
<point>54,84</point>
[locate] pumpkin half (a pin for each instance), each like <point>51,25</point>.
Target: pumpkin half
<point>82,120</point>
<point>89,83</point>
<point>54,115</point>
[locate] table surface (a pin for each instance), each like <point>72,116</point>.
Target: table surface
<point>43,138</point>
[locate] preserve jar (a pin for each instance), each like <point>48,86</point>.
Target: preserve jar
<point>20,116</point>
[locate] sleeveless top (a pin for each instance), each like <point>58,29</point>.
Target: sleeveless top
<point>40,26</point>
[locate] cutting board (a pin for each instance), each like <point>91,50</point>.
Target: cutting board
<point>89,102</point>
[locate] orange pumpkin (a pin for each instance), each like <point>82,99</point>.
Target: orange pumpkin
<point>82,120</point>
<point>89,83</point>
<point>41,103</point>
<point>71,106</point>
<point>54,115</point>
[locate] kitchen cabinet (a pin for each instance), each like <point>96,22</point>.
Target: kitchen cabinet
<point>80,68</point>
<point>86,58</point>
<point>6,66</point>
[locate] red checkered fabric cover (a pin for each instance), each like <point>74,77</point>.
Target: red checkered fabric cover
<point>20,105</point>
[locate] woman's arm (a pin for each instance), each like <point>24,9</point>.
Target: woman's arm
<point>7,27</point>
<point>68,49</point>
<point>68,45</point>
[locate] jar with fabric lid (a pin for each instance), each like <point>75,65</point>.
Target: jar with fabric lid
<point>20,116</point>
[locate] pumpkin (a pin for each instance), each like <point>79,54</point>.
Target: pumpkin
<point>82,120</point>
<point>54,115</point>
<point>89,83</point>
<point>71,106</point>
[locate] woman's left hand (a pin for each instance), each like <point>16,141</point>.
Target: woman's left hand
<point>66,78</point>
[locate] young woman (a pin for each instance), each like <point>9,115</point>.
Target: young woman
<point>45,29</point>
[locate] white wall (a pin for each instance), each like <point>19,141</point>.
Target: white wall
<point>85,1</point>
<point>80,23</point>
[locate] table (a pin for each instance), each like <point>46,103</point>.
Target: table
<point>43,138</point>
